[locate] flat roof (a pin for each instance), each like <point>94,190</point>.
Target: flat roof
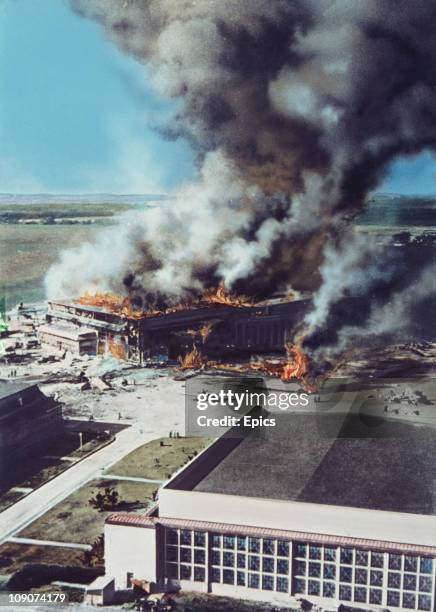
<point>9,387</point>
<point>336,460</point>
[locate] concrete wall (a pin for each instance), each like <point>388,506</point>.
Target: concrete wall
<point>130,549</point>
<point>296,516</point>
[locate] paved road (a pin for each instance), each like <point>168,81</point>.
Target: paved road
<point>31,507</point>
<point>131,478</point>
<point>34,542</point>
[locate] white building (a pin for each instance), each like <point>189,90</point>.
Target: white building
<point>305,513</point>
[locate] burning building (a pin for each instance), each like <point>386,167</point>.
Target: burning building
<point>216,329</point>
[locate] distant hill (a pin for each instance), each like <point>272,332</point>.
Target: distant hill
<point>80,198</point>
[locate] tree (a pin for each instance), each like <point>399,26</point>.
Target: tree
<point>109,500</point>
<point>95,556</point>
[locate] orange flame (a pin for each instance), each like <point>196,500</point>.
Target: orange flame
<point>115,304</point>
<point>295,367</point>
<point>123,306</point>
<point>220,295</point>
<point>193,360</point>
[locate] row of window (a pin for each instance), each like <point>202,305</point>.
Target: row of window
<point>347,574</point>
<point>363,558</point>
<point>360,573</point>
<point>264,546</point>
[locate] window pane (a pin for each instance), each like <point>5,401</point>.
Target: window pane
<point>328,589</point>
<point>215,540</point>
<point>228,541</point>
<point>228,559</point>
<point>360,594</point>
<point>315,570</point>
<point>314,587</point>
<point>228,576</point>
<point>268,564</point>
<point>242,543</point>
<point>215,574</point>
<point>172,553</point>
<point>329,554</point>
<point>300,549</point>
<point>199,556</point>
<point>282,566</point>
<point>241,578</point>
<point>345,592</point>
<point>376,559</point>
<point>282,549</point>
<point>185,537</point>
<point>345,574</point>
<point>314,552</point>
<point>215,557</point>
<point>300,586</point>
<point>253,563</point>
<point>268,547</point>
<point>172,570</point>
<point>426,565</point>
<point>254,545</point>
<point>375,596</point>
<point>424,602</point>
<point>185,572</point>
<point>199,574</point>
<point>347,555</point>
<point>425,584</point>
<point>300,568</point>
<point>185,555</point>
<point>282,585</point>
<point>241,560</point>
<point>394,580</point>
<point>267,583</point>
<point>395,562</point>
<point>376,578</point>
<point>172,537</point>
<point>253,581</point>
<point>410,564</point>
<point>394,599</point>
<point>199,538</point>
<point>360,576</point>
<point>361,557</point>
<point>409,582</point>
<point>329,571</point>
<point>409,600</point>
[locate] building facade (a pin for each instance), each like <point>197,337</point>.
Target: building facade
<point>213,533</point>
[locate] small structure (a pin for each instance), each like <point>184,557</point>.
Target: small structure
<point>100,592</point>
<point>29,422</point>
<point>81,341</point>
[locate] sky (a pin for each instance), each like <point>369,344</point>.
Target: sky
<point>78,116</point>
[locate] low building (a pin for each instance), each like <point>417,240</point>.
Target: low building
<point>100,592</point>
<point>321,510</point>
<point>80,341</point>
<point>29,422</point>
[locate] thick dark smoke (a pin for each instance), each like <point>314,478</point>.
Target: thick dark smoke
<point>296,108</point>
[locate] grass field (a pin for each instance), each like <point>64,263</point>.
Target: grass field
<point>14,556</point>
<point>74,520</point>
<point>27,252</point>
<point>157,462</point>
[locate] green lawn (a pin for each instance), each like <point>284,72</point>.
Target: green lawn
<point>158,462</point>
<point>74,520</point>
